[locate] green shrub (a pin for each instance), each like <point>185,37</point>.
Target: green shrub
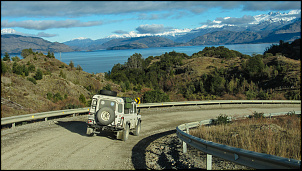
<point>221,119</point>
<point>39,75</point>
<point>107,87</point>
<point>33,80</point>
<point>57,97</point>
<point>257,115</point>
<point>155,96</point>
<point>82,99</point>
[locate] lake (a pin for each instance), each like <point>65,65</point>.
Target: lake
<point>103,60</point>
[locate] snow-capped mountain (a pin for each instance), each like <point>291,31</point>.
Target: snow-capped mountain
<point>271,17</point>
<point>262,24</point>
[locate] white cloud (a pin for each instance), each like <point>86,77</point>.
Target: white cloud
<point>49,24</point>
<point>152,29</point>
<point>84,8</point>
<point>13,31</point>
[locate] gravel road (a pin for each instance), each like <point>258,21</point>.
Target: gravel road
<point>62,143</point>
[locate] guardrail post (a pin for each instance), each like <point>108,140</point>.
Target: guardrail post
<point>209,162</point>
<point>184,144</point>
<point>45,119</point>
<point>13,125</point>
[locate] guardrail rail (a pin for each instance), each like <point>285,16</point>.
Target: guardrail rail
<point>237,155</point>
<point>44,115</point>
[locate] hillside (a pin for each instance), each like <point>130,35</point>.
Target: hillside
<point>14,44</point>
<point>213,73</point>
<point>60,87</point>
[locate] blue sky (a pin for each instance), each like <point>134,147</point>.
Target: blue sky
<point>60,21</point>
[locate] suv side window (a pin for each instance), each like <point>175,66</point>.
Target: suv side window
<point>120,108</point>
<point>134,108</point>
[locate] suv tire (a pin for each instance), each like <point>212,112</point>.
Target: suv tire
<point>126,133</point>
<point>108,93</point>
<point>137,128</point>
<point>105,116</point>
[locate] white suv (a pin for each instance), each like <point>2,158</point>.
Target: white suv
<point>118,114</point>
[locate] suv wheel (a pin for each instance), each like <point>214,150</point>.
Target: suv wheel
<point>90,132</point>
<point>126,133</point>
<point>137,129</point>
<point>105,116</point>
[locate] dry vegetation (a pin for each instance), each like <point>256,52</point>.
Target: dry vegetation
<point>20,96</point>
<point>280,136</point>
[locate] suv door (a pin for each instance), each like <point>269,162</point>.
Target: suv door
<point>132,115</point>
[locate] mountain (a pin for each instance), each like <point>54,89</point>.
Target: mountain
<point>79,44</point>
<point>145,42</point>
<point>225,37</point>
<point>263,28</point>
<point>287,33</point>
<point>14,44</point>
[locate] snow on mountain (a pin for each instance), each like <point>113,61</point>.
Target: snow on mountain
<point>276,17</point>
<point>8,31</point>
<point>131,34</point>
<point>271,17</point>
<point>80,38</point>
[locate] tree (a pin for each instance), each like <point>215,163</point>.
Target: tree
<point>17,69</point>
<point>155,96</point>
<point>79,68</point>
<point>4,67</point>
<point>71,64</point>
<point>48,54</point>
<point>82,99</point>
<point>6,57</point>
<point>135,61</point>
<point>16,58</point>
<point>26,52</point>
<point>39,74</point>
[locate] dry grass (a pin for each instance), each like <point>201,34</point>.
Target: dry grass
<point>33,97</point>
<point>280,136</point>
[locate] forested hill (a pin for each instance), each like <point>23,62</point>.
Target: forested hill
<point>213,73</point>
<point>14,44</point>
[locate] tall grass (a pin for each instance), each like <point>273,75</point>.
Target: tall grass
<point>280,136</point>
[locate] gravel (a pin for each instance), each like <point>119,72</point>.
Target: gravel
<point>166,153</point>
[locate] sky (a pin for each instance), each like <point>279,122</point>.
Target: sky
<point>61,21</point>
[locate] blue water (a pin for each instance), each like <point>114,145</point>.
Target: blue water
<point>103,60</point>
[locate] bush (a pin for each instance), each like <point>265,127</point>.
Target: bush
<point>57,97</point>
<point>82,99</point>
<point>4,67</point>
<point>155,96</point>
<point>221,119</point>
<point>257,115</point>
<point>6,57</point>
<point>33,80</point>
<point>107,87</point>
<point>39,75</point>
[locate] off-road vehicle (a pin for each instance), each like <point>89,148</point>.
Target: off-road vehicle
<point>117,114</point>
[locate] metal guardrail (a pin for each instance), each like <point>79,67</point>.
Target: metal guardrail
<point>237,155</point>
<point>217,102</point>
<point>44,115</point>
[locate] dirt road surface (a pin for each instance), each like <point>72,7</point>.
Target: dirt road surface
<point>62,143</point>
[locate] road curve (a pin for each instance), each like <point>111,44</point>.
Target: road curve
<point>63,144</point>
